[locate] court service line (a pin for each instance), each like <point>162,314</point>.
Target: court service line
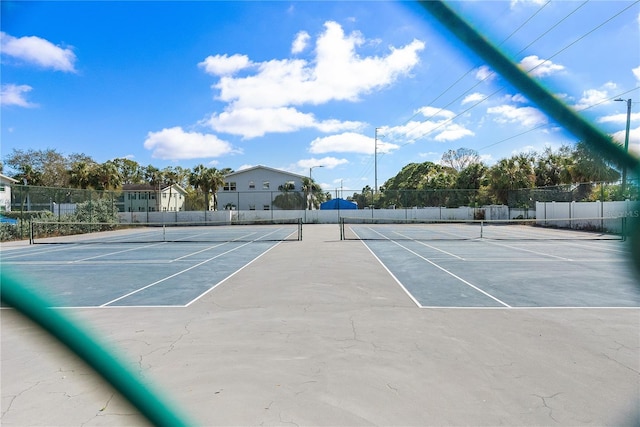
<point>449,272</point>
<point>527,250</point>
<point>171,276</point>
<point>429,246</point>
<point>116,252</point>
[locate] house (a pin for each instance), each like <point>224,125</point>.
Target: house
<point>147,198</point>
<point>5,192</point>
<point>261,188</point>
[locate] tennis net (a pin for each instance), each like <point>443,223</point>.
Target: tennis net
<point>514,229</point>
<point>210,231</point>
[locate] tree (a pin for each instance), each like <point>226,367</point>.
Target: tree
<point>289,199</point>
<point>206,181</point>
<point>589,167</point>
<point>129,170</point>
<point>460,159</point>
<point>105,176</point>
<point>51,165</point>
<point>552,168</point>
<point>510,174</point>
<point>81,174</point>
<point>313,192</point>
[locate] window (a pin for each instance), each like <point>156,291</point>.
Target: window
<point>266,207</point>
<point>252,207</point>
<point>164,195</point>
<point>229,186</point>
<point>265,185</point>
<point>152,196</point>
<point>2,187</point>
<point>252,185</point>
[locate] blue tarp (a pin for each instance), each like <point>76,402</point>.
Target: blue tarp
<point>338,204</point>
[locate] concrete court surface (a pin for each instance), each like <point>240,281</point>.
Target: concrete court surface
<point>317,333</point>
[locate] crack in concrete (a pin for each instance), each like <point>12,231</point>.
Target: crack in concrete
<point>13,398</point>
<point>544,403</point>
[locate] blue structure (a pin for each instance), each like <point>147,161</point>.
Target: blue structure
<point>338,204</point>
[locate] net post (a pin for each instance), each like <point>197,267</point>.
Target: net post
<point>481,229</point>
<point>164,232</point>
<point>31,232</point>
<point>623,227</point>
<point>341,227</point>
<point>299,228</point>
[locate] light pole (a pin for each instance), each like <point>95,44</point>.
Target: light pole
<point>626,144</point>
<point>311,184</point>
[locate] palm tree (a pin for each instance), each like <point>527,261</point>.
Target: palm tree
<point>313,193</point>
<point>80,174</point>
<point>153,177</point>
<point>199,180</point>
<point>215,178</point>
<point>106,176</point>
<point>170,178</point>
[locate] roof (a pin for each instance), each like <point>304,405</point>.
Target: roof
<point>148,187</point>
<point>8,178</point>
<point>265,168</point>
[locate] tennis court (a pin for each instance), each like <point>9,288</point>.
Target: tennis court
<point>318,332</point>
<point>142,265</point>
<point>501,263</point>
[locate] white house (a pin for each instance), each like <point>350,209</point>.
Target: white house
<point>257,187</point>
<point>5,192</point>
<point>146,198</point>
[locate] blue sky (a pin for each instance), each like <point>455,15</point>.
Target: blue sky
<point>293,85</point>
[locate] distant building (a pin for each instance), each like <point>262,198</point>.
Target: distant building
<point>257,187</point>
<point>5,192</point>
<point>146,198</point>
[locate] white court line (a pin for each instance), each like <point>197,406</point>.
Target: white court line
<point>446,271</point>
<point>526,250</point>
<point>114,253</point>
<point>429,246</point>
<point>391,274</point>
<point>183,271</point>
<point>230,276</point>
<point>172,276</point>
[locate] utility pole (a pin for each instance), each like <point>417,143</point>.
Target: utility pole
<point>626,144</point>
<point>375,154</point>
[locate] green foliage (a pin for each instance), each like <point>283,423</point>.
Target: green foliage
<point>99,210</point>
<point>289,200</point>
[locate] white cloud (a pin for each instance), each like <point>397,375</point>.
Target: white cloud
<point>325,162</point>
<point>255,122</point>
<point>38,51</point>
<point>473,98</point>
<point>526,116</point>
<point>175,144</point>
<point>453,132</point>
<point>485,73</point>
<point>11,94</point>
<point>350,142</point>
<point>538,67</point>
<point>337,73</point>
<point>514,3</point>
<point>634,138</point>
<point>619,118</point>
<point>300,42</point>
<point>223,65</point>
<point>591,97</point>
<point>438,126</point>
<point>636,73</point>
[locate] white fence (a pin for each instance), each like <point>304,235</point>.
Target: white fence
<point>574,214</point>
<point>328,216</point>
<point>608,216</point>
